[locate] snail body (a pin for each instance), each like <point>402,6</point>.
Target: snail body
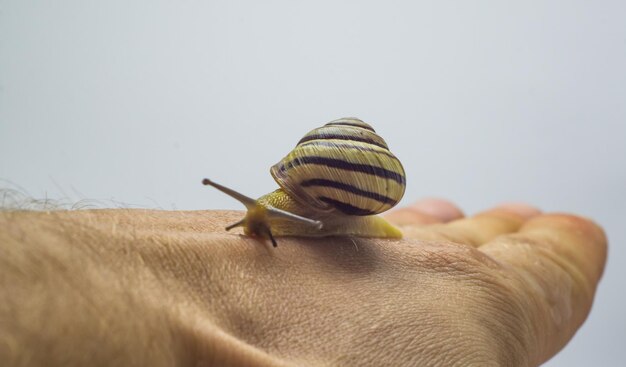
<point>333,183</point>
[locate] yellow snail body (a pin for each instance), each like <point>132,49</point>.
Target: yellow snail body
<point>333,183</point>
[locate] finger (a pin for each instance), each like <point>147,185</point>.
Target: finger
<point>425,211</point>
<point>556,262</point>
<point>479,229</point>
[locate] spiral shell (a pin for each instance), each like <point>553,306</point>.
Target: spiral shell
<point>343,166</point>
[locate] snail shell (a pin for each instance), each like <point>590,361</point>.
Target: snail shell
<point>344,166</point>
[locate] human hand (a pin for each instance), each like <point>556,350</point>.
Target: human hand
<point>508,287</point>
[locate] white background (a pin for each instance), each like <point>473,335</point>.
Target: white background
<point>133,103</point>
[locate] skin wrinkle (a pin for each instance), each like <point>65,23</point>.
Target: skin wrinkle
<point>324,307</point>
<point>463,263</point>
<point>504,325</point>
<point>240,311</point>
<point>544,292</point>
<point>542,299</point>
<point>480,277</point>
<point>513,313</point>
<point>214,347</point>
<point>372,343</point>
<point>184,271</point>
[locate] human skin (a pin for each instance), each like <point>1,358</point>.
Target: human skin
<point>507,287</point>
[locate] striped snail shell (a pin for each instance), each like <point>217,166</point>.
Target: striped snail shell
<point>331,184</point>
<point>343,165</point>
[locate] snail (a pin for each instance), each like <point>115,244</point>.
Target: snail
<point>333,183</point>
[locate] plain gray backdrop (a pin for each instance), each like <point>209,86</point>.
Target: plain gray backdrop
<point>133,103</point>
